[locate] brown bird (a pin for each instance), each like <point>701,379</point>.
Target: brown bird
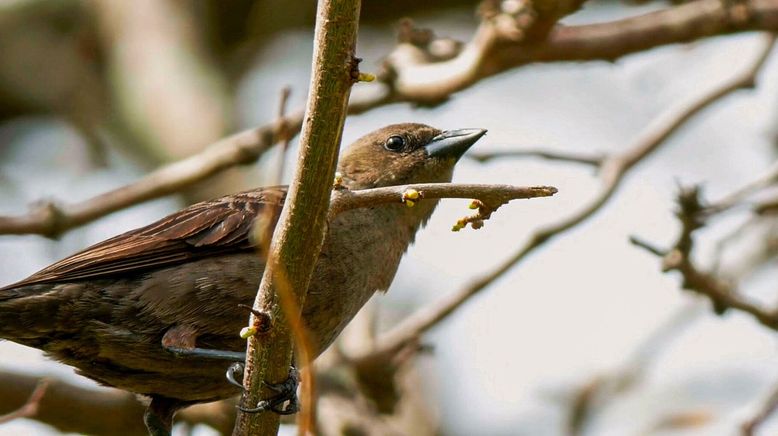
<point>153,310</point>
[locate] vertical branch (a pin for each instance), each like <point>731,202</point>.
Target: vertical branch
<point>299,234</point>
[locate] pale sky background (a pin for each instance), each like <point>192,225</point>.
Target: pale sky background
<point>507,362</point>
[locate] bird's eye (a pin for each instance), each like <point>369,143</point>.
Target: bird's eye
<point>394,143</point>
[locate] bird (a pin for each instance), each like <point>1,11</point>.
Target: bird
<point>125,311</point>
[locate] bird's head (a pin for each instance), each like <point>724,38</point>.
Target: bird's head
<point>406,153</point>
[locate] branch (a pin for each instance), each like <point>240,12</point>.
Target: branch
<point>283,133</point>
<point>493,195</point>
<point>613,170</point>
<point>768,178</point>
<point>722,293</point>
<point>495,48</point>
<point>769,407</point>
<point>410,77</point>
<point>299,235</point>
<point>74,409</point>
<point>51,219</point>
<point>594,160</point>
<point>30,408</point>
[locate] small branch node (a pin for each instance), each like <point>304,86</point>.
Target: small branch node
<point>263,322</point>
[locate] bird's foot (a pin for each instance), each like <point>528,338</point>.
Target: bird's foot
<point>285,403</point>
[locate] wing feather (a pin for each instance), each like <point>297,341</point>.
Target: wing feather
<point>210,228</point>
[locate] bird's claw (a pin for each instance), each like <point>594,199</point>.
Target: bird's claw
<point>287,394</point>
<point>235,373</point>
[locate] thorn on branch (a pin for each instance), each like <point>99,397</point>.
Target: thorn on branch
<point>354,69</point>
<point>653,249</point>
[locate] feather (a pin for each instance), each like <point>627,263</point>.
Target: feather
<point>216,227</point>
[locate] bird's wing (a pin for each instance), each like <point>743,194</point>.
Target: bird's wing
<point>215,227</point>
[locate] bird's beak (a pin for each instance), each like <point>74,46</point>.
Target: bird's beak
<point>453,143</point>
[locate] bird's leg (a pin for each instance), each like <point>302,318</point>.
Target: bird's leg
<point>286,390</point>
<point>207,353</point>
<point>159,415</point>
<point>180,340</point>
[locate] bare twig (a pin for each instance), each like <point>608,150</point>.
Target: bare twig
<point>64,404</point>
<point>30,408</point>
<point>284,134</point>
<point>495,48</point>
<point>585,159</point>
<point>493,195</point>
<point>51,219</point>
<point>612,173</point>
<point>769,407</point>
<point>768,178</point>
<point>721,293</point>
<point>606,387</point>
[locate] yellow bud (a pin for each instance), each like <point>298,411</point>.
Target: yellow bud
<point>338,180</point>
<point>365,77</point>
<point>473,204</point>
<point>247,332</point>
<point>412,194</point>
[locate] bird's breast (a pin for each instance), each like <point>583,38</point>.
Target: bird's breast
<point>360,256</point>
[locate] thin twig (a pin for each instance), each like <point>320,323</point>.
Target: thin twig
<point>612,173</point>
<point>284,134</point>
<point>580,158</point>
<point>768,178</point>
<point>51,219</point>
<point>30,408</point>
<point>493,195</point>
<point>495,49</point>
<point>604,388</point>
<point>769,407</point>
<point>722,293</point>
<point>63,406</point>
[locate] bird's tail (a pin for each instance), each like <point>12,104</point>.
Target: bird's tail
<point>25,314</point>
